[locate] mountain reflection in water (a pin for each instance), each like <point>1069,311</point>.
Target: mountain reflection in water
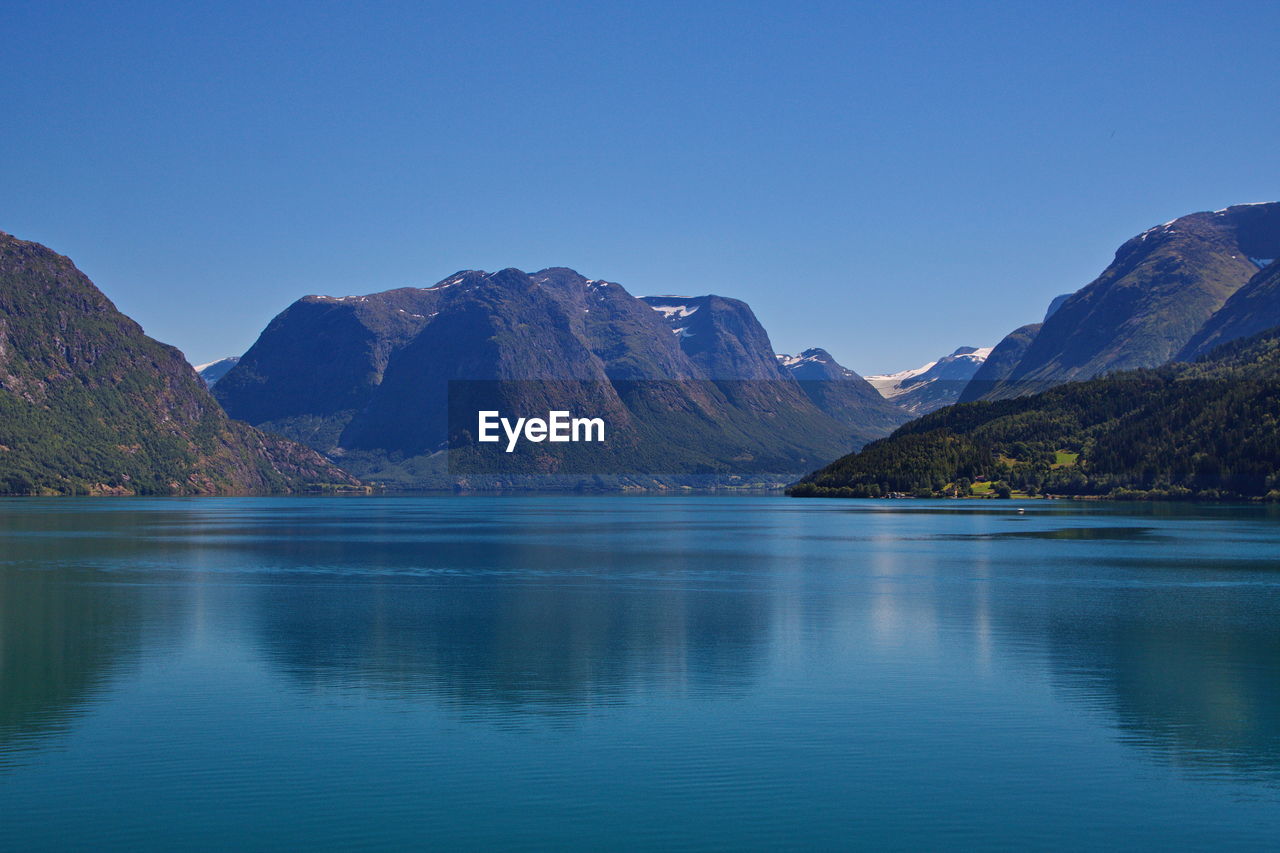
<point>754,652</point>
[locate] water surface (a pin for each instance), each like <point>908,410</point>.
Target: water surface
<point>638,673</point>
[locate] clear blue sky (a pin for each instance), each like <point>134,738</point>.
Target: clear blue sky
<point>886,180</point>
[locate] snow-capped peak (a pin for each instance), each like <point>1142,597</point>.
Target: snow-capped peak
<point>889,384</point>
<point>958,366</point>
<point>979,355</point>
<point>212,371</point>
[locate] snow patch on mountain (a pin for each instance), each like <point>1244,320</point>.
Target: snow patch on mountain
<point>670,311</point>
<point>807,357</point>
<point>931,386</point>
<point>212,371</point>
<point>890,384</point>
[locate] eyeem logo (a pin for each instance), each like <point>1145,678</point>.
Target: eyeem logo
<point>558,426</point>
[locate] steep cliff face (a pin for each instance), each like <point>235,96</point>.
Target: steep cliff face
<point>722,336</point>
<point>318,363</point>
<point>90,404</point>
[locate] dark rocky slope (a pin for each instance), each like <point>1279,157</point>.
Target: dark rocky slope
<point>1162,287</point>
<point>1000,364</point>
<point>1251,309</point>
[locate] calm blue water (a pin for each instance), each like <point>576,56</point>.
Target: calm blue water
<point>644,672</point>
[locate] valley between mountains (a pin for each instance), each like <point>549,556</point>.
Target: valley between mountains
<point>1095,398</point>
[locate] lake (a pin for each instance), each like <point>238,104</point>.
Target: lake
<point>685,672</point>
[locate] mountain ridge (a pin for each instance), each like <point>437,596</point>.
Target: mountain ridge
<point>687,362</point>
<point>1161,288</point>
<point>1205,429</point>
<point>91,405</point>
<point>839,391</point>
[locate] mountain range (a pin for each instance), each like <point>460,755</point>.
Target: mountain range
<point>1167,294</point>
<point>1114,407</point>
<point>1206,429</point>
<point>91,405</point>
<point>367,379</point>
<point>388,384</point>
<point>691,384</point>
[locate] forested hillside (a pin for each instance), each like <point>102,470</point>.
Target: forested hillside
<point>1209,429</point>
<point>91,405</point>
